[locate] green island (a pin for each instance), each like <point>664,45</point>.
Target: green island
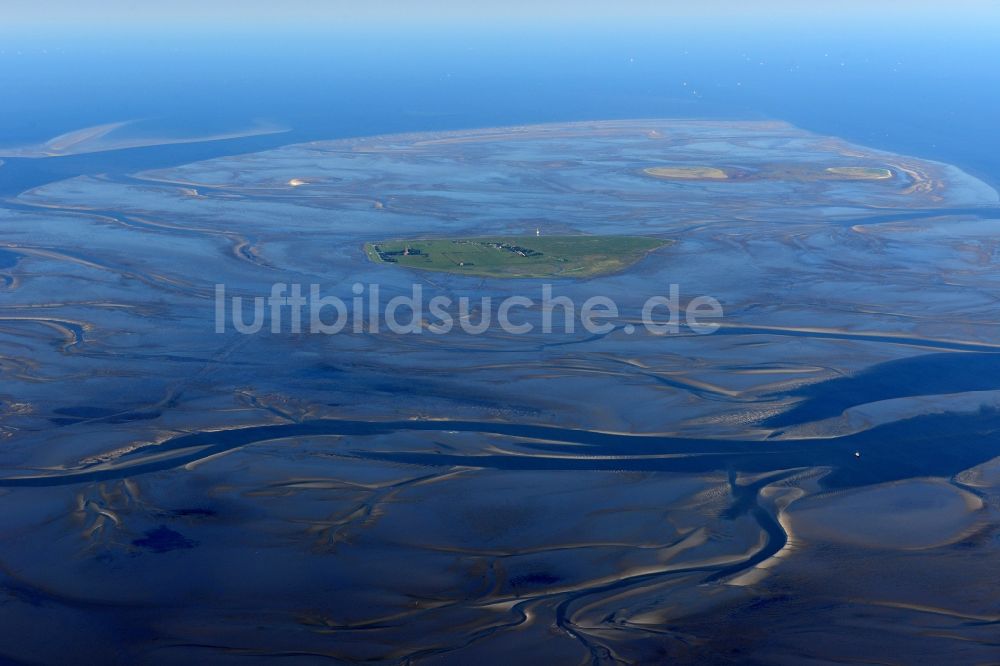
<point>517,256</point>
<point>687,173</point>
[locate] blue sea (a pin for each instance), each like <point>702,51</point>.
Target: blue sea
<point>916,88</point>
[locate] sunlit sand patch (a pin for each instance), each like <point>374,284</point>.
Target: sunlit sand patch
<point>687,173</point>
<point>954,344</point>
<point>775,499</point>
<point>674,598</point>
<point>935,610</point>
<point>922,181</point>
<point>860,173</point>
<point>66,143</point>
<point>109,136</point>
<point>909,515</point>
<point>986,475</point>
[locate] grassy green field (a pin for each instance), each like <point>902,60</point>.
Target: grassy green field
<point>517,256</point>
<point>687,173</point>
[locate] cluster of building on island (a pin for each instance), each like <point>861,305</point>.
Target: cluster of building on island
<point>390,255</point>
<point>516,249</point>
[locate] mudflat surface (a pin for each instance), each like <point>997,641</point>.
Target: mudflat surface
<point>170,493</point>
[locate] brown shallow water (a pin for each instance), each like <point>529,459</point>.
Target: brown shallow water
<point>816,481</point>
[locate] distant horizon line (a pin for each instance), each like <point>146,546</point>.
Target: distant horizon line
<point>193,15</point>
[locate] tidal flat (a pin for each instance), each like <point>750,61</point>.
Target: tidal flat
<point>173,494</point>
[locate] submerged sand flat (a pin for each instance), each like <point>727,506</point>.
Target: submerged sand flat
<point>121,135</point>
<point>171,494</point>
<point>861,173</point>
<point>920,513</point>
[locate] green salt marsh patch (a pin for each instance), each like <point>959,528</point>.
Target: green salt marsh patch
<point>517,256</point>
